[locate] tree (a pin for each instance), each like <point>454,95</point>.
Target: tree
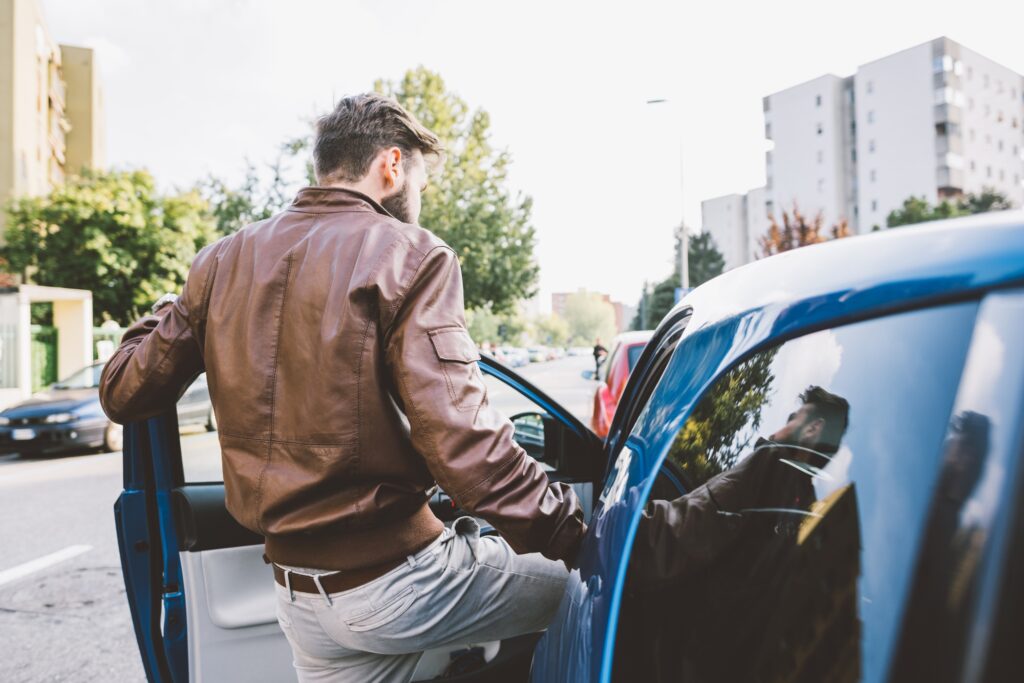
<point>705,261</point>
<point>796,231</point>
<point>918,210</point>
<point>551,330</point>
<point>110,233</point>
<point>589,316</point>
<point>485,326</point>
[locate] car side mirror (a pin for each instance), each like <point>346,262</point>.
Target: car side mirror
<point>567,454</point>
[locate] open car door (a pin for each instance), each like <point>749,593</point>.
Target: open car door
<point>202,599</point>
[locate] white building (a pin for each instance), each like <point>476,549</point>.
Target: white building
<point>936,121</point>
<point>736,223</point>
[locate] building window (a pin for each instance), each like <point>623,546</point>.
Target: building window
<point>984,81</point>
<point>820,129</point>
<point>988,171</point>
<point>817,100</point>
<point>872,175</point>
<point>853,155</point>
<point>870,88</point>
<point>821,184</point>
<point>871,116</point>
<point>999,146</point>
<point>874,205</point>
<point>970,73</point>
<point>821,156</point>
<point>767,104</point>
<point>972,165</point>
<point>871,145</point>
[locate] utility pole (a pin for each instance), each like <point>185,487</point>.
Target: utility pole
<point>684,251</point>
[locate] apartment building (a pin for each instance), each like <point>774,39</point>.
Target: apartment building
<point>736,223</point>
<point>51,105</point>
<point>936,120</point>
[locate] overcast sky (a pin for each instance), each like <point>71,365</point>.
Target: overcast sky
<point>194,87</point>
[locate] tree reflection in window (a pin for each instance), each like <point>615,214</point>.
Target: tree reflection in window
<point>725,422</point>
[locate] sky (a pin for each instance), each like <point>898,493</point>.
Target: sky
<point>197,87</point>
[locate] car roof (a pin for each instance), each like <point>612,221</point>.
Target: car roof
<point>633,337</point>
<point>855,276</point>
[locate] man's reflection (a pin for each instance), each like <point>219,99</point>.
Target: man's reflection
<point>749,576</point>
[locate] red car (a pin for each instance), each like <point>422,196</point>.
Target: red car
<point>626,349</point>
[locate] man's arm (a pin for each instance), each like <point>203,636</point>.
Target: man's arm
<point>159,355</point>
<point>466,443</point>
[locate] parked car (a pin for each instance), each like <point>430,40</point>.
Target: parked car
<point>514,357</point>
<point>837,432</point>
<point>67,416</point>
<point>538,354</point>
<point>626,350</point>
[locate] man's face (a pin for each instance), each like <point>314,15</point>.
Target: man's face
<point>405,202</point>
<point>802,429</point>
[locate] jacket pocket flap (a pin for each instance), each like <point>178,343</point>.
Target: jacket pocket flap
<point>454,344</point>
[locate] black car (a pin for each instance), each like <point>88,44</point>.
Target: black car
<point>67,416</point>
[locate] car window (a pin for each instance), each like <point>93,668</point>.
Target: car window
<point>808,469</point>
<point>634,352</point>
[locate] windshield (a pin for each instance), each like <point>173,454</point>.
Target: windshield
<point>86,378</point>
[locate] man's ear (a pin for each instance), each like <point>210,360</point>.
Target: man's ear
<point>392,167</point>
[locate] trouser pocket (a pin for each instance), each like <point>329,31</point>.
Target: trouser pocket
<point>464,544</point>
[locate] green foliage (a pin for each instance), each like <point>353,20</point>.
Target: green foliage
<point>467,203</point>
<point>486,326</point>
<point>705,263</point>
<point>110,233</point>
<point>257,197</point>
<point>725,420</point>
<point>551,330</point>
<point>918,210</point>
<point>589,316</point>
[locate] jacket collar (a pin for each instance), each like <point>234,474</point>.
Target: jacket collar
<point>334,200</point>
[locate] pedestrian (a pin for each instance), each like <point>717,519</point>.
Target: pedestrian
<point>345,385</point>
<point>600,353</point>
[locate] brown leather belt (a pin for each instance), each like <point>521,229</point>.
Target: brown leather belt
<point>334,583</point>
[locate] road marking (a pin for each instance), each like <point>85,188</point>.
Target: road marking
<point>23,570</point>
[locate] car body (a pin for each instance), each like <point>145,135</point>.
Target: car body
<point>538,354</point>
<point>626,350</point>
<point>67,416</point>
<point>900,563</point>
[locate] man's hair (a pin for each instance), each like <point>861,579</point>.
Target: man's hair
<point>835,410</point>
<point>360,126</point>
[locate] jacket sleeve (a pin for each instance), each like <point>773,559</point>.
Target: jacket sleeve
<point>466,443</point>
<point>159,355</point>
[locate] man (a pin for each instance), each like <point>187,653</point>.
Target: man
<point>345,385</point>
<point>600,353</point>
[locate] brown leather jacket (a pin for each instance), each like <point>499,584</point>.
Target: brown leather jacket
<point>345,384</point>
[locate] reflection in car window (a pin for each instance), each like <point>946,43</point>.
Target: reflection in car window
<point>809,469</point>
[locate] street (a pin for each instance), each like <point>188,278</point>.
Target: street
<point>63,614</point>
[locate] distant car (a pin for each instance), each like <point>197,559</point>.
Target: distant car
<point>513,356</point>
<point>580,351</point>
<point>626,350</point>
<point>538,354</point>
<point>67,417</point>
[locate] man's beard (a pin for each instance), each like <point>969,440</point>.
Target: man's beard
<point>397,204</point>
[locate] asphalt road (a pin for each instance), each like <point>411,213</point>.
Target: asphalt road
<point>63,612</point>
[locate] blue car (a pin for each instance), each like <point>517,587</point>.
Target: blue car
<point>814,474</point>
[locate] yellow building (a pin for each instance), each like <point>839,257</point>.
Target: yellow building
<point>51,105</point>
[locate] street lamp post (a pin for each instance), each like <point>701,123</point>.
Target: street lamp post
<point>684,237</point>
